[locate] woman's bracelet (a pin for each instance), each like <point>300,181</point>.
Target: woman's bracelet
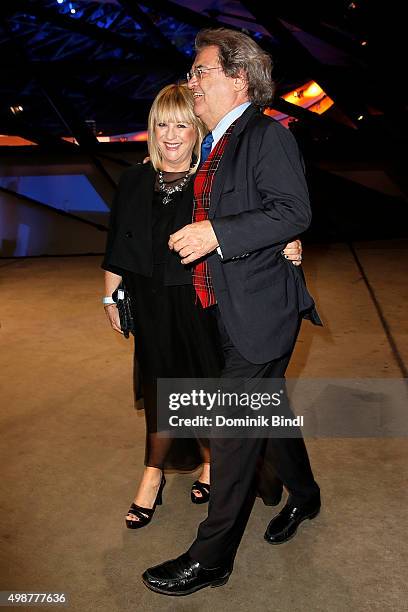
<point>108,301</point>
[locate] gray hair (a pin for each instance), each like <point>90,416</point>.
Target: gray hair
<point>239,53</point>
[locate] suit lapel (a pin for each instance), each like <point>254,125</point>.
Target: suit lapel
<point>221,174</point>
<point>227,158</point>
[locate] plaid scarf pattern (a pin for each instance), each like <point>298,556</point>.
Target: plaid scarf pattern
<point>202,194</point>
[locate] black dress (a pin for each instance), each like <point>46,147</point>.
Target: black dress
<point>174,337</point>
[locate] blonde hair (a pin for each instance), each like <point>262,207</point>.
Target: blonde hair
<point>173,103</point>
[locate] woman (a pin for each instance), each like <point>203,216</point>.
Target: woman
<point>174,336</point>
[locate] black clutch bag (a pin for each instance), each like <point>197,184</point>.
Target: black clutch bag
<point>121,297</point>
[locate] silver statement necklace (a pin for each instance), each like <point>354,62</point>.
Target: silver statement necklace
<point>170,190</point>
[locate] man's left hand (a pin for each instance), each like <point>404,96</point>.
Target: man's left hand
<point>194,241</point>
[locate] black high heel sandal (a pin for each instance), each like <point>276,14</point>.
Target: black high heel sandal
<point>145,514</point>
<point>204,489</point>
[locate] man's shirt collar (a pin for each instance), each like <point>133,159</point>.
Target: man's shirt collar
<point>226,121</point>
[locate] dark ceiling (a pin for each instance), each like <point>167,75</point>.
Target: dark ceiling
<point>81,68</point>
<point>95,65</point>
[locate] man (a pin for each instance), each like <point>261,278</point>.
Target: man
<point>250,198</point>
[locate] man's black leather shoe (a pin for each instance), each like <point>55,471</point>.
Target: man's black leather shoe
<point>183,576</point>
<point>284,525</point>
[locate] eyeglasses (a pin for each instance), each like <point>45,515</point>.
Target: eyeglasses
<point>200,72</point>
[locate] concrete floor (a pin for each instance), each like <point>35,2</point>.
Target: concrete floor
<point>72,451</point>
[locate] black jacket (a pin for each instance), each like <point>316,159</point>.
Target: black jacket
<point>259,202</point>
<point>129,242</point>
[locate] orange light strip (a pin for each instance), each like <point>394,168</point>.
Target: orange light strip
<point>309,96</point>
<point>14,141</point>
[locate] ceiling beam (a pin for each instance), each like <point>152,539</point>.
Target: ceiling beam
<point>76,66</point>
<point>310,21</point>
<point>183,14</point>
<point>159,58</point>
<point>197,19</point>
<point>136,13</point>
<point>350,106</point>
<point>16,126</point>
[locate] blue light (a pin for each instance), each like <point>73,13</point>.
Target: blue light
<point>60,1</point>
<point>70,192</point>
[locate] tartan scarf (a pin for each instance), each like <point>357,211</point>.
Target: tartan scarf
<point>204,178</point>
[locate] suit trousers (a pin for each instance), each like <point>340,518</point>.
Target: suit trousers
<point>234,464</point>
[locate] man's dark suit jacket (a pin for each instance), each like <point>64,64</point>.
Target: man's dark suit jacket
<point>259,202</point>
<point>129,243</point>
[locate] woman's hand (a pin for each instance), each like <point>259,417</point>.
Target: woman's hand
<point>112,282</point>
<point>293,252</point>
<point>113,315</point>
